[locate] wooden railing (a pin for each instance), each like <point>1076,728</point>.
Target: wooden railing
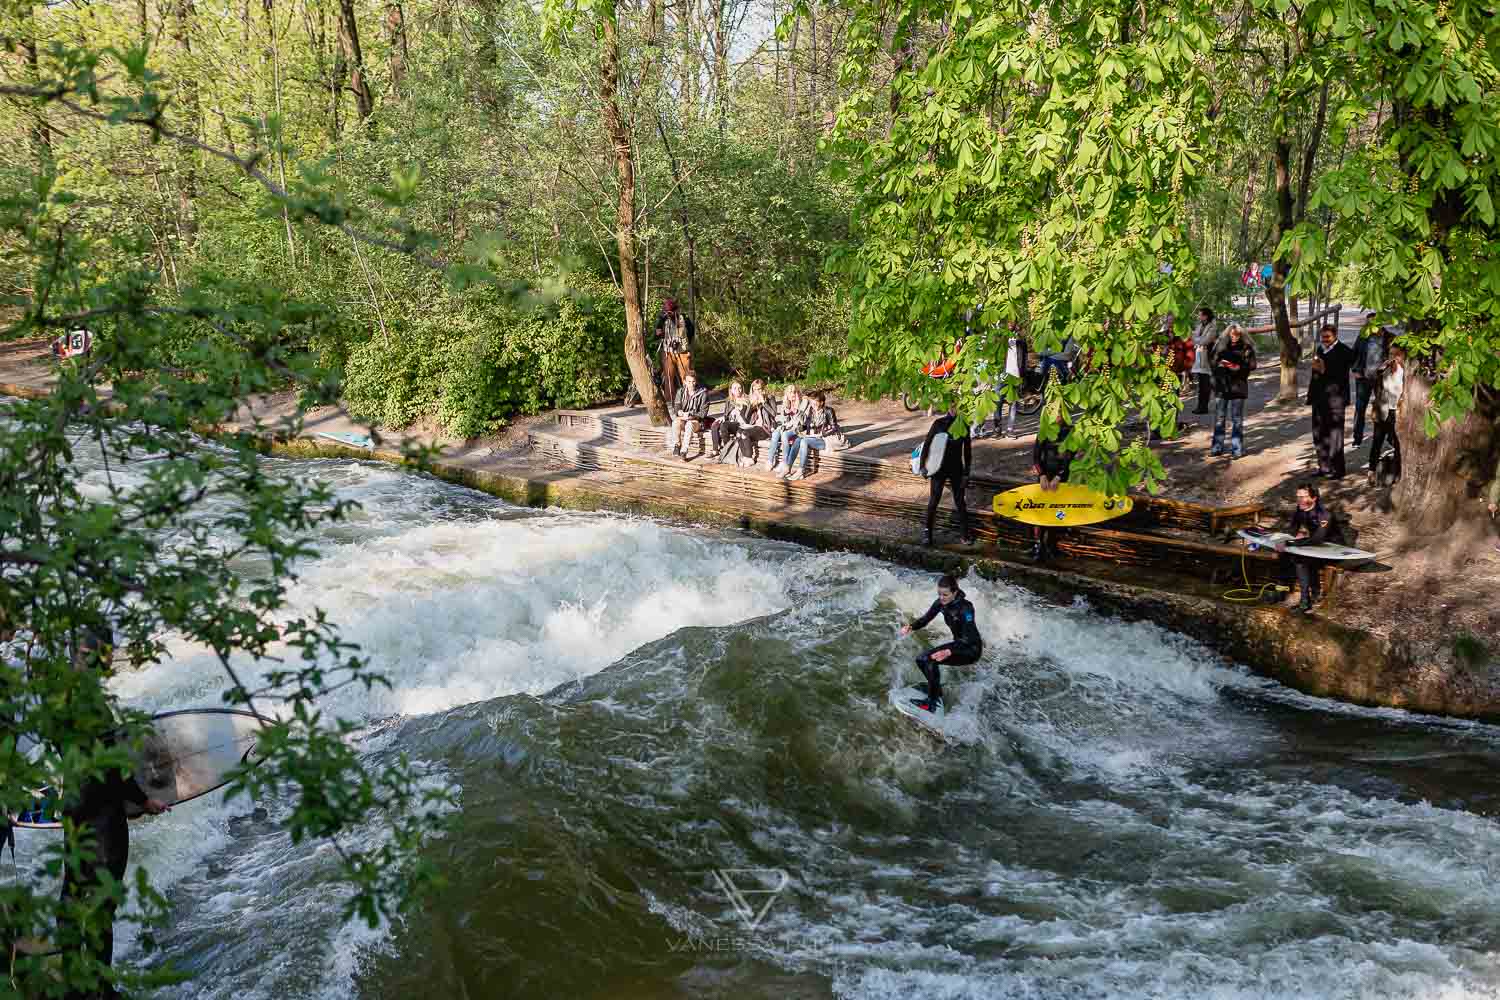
<point>1304,326</point>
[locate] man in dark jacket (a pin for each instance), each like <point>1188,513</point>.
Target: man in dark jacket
<point>966,648</point>
<point>689,414</point>
<point>1369,360</point>
<point>1232,362</point>
<point>1311,524</point>
<point>958,459</point>
<point>1328,393</point>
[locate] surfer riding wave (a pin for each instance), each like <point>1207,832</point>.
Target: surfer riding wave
<point>966,648</point>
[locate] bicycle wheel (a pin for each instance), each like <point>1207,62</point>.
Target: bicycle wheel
<point>911,405</point>
<point>632,396</point>
<point>1029,403</point>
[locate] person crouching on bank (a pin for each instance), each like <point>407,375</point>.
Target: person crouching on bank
<point>1050,464</point>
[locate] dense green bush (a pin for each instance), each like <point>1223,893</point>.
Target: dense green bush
<point>1217,287</point>
<point>476,366</point>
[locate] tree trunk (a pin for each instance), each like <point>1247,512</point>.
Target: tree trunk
<point>187,190</point>
<point>41,139</point>
<point>1437,473</point>
<point>1247,205</point>
<point>364,100</point>
<point>1291,349</point>
<point>395,27</point>
<point>721,64</point>
<point>624,157</point>
<point>336,91</point>
<point>682,217</point>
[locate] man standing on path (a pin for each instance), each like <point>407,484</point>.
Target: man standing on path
<point>1369,357</point>
<point>1328,394</point>
<point>676,333</point>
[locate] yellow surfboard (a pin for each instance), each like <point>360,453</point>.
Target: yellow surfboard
<point>1068,506</point>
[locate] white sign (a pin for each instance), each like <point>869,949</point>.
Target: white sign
<point>73,344</point>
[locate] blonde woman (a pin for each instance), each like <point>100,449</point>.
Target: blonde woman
<point>726,428</point>
<point>760,421</point>
<point>784,435</point>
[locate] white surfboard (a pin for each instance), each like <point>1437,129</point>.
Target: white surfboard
<point>939,723</point>
<point>1325,551</point>
<point>935,452</point>
<point>184,755</point>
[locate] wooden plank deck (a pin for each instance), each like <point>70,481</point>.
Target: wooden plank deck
<point>844,488</point>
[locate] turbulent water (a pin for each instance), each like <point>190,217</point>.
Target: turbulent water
<point>645,721</point>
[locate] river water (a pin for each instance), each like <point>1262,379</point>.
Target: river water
<point>646,723</point>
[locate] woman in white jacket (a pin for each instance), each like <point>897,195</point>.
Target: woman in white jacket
<point>1205,337</point>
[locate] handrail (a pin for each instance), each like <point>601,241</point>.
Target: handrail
<point>1335,310</point>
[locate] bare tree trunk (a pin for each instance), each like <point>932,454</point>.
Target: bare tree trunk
<point>41,138</point>
<point>791,68</point>
<point>624,159</point>
<point>1247,205</point>
<point>187,190</point>
<point>364,100</point>
<point>395,27</point>
<point>721,63</point>
<point>1436,472</point>
<point>1291,349</point>
<point>682,216</point>
<point>336,90</point>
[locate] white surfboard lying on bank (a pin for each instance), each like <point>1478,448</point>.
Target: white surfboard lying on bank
<point>1325,551</point>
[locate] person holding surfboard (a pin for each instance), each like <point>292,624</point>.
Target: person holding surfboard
<point>946,459</point>
<point>966,648</point>
<point>98,824</point>
<point>1311,524</point>
<point>1050,464</point>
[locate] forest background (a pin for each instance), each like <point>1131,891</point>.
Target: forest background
<point>811,180</point>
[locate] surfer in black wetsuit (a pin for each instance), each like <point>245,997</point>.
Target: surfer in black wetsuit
<point>99,827</point>
<point>1050,464</point>
<point>953,470</point>
<point>966,647</point>
<point>1312,524</point>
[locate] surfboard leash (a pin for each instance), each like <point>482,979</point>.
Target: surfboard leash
<point>1249,593</point>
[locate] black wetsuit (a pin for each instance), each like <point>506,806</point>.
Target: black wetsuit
<point>1321,527</point>
<point>958,457</point>
<point>967,645</point>
<point>100,810</point>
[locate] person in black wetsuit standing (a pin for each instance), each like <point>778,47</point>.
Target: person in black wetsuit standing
<point>958,458</point>
<point>966,648</point>
<point>99,824</point>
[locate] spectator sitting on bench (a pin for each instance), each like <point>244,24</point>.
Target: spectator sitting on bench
<point>818,429</point>
<point>725,430</point>
<point>760,419</point>
<point>690,415</point>
<point>784,434</point>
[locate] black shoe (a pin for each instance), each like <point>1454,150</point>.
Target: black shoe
<point>1304,609</point>
<point>927,538</point>
<point>1037,552</point>
<point>970,540</point>
<point>927,705</point>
